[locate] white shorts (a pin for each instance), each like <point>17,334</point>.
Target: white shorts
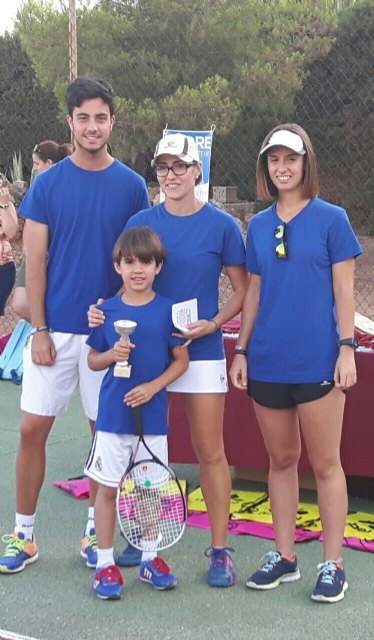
<point>110,455</point>
<point>202,376</point>
<point>46,391</point>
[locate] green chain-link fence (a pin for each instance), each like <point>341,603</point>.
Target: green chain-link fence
<point>243,65</point>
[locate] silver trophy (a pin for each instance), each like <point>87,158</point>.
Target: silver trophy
<point>125,328</point>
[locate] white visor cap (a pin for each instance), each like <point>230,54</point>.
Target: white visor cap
<point>288,139</point>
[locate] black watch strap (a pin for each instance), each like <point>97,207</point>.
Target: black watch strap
<point>348,342</point>
<point>241,350</point>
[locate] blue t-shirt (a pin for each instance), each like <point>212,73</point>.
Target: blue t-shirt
<point>150,358</point>
<point>198,246</point>
<point>85,212</point>
<point>295,338</point>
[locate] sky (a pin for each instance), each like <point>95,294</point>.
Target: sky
<point>8,12</point>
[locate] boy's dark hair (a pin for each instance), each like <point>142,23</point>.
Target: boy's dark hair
<point>139,242</point>
<point>85,88</point>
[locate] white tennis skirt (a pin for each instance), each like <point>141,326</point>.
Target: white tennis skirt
<point>202,376</point>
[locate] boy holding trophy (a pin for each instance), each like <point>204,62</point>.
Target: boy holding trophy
<point>156,359</point>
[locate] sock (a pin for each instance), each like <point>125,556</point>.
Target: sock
<point>338,562</point>
<point>90,521</point>
<point>25,524</point>
<point>148,555</point>
<point>289,558</point>
<point>105,557</point>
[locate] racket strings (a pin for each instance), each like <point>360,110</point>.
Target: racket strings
<point>151,507</point>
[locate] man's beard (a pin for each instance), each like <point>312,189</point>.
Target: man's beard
<point>93,152</point>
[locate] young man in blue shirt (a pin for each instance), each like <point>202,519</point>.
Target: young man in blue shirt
<point>74,214</point>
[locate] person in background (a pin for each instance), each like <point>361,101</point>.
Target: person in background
<point>47,153</point>
<point>200,240</point>
<point>74,213</point>
<point>297,330</point>
<point>44,155</point>
<point>8,231</point>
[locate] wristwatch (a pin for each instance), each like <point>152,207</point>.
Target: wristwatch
<point>241,350</point>
<point>349,342</point>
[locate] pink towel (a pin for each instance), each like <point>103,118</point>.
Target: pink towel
<point>246,527</point>
<point>77,487</point>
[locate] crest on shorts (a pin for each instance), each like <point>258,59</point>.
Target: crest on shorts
<point>98,464</point>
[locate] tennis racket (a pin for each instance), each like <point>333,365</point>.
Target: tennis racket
<point>151,506</point>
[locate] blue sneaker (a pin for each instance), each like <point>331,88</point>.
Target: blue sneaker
<point>108,583</point>
<point>89,549</point>
<point>221,570</point>
<point>157,573</point>
<point>130,557</point>
<point>274,570</point>
<point>331,582</point>
<point>18,553</point>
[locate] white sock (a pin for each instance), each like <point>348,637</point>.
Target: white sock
<point>25,524</point>
<point>149,555</point>
<point>105,557</point>
<point>90,521</point>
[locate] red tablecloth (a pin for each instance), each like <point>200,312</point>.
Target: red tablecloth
<point>243,441</point>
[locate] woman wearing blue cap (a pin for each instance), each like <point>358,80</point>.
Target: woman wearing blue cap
<point>298,330</point>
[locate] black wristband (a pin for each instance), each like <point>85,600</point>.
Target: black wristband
<point>349,342</point>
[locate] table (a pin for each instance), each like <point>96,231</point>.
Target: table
<point>243,441</point>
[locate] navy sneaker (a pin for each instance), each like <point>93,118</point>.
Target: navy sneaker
<point>89,548</point>
<point>157,573</point>
<point>221,570</point>
<point>331,582</point>
<point>108,582</point>
<point>130,557</point>
<point>274,570</point>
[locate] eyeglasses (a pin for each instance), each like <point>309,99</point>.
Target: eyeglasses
<point>179,169</point>
<point>281,250</point>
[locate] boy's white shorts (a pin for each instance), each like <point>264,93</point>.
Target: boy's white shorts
<point>46,391</point>
<point>110,455</point>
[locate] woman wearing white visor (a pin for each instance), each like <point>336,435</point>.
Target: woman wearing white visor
<point>297,327</point>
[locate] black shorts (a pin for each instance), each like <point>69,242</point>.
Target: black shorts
<point>7,280</point>
<point>283,396</point>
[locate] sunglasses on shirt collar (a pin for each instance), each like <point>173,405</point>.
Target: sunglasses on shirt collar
<point>281,249</point>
